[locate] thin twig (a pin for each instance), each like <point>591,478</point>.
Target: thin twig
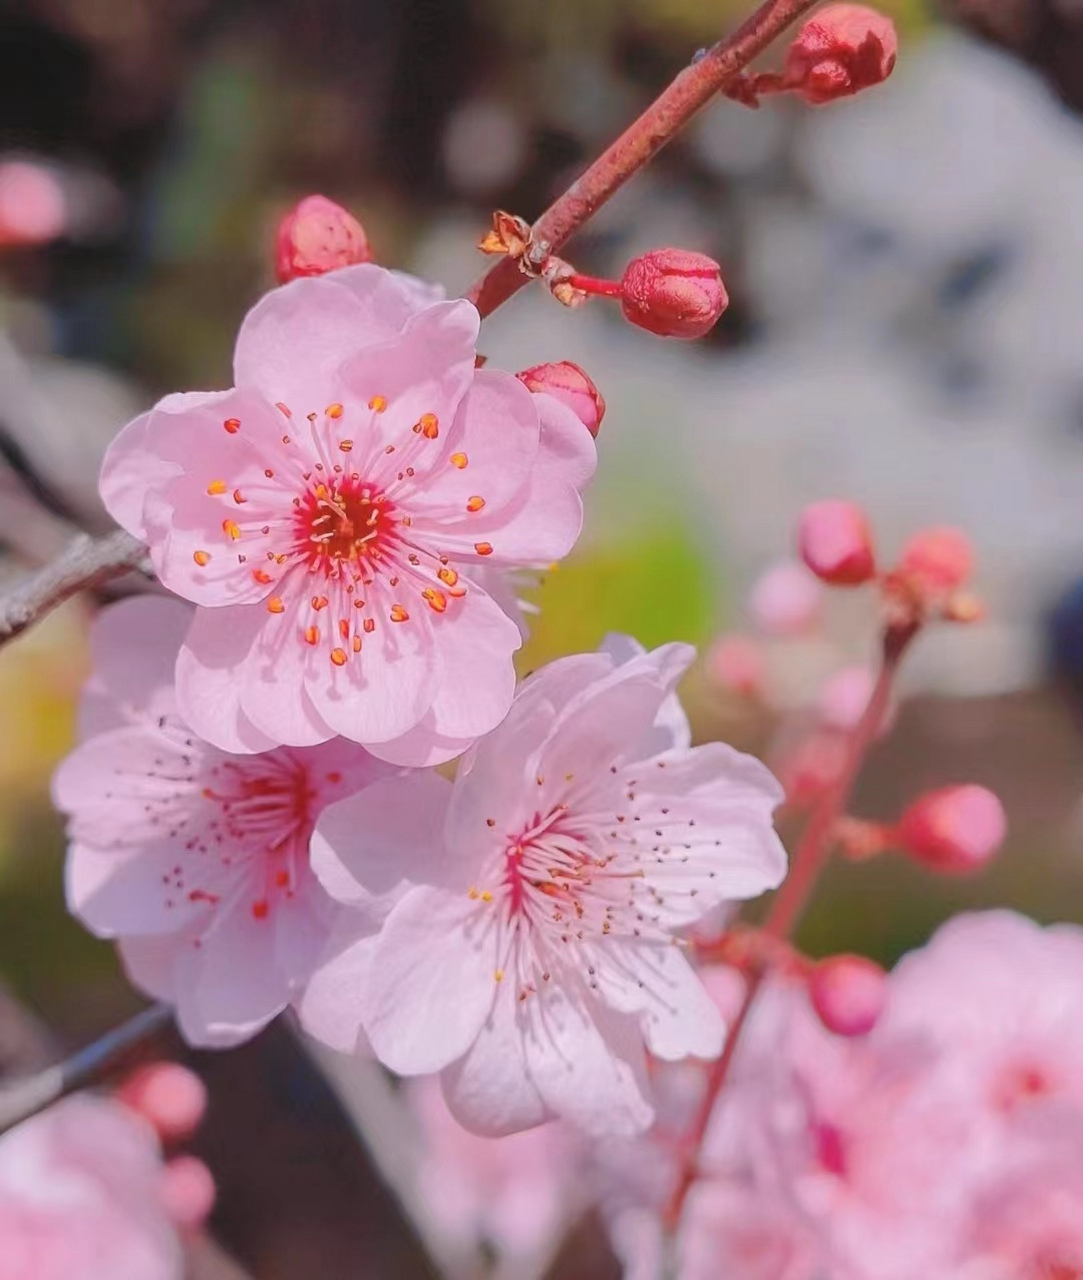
<point>24,1098</point>
<point>692,90</point>
<point>87,562</point>
<point>809,859</point>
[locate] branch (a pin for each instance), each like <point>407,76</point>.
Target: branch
<point>809,859</point>
<point>87,562</point>
<point>693,88</point>
<point>24,1098</point>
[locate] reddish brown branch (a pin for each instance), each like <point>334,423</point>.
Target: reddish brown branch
<point>809,859</point>
<point>708,75</point>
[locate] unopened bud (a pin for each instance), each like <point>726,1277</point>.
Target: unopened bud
<point>835,542</point>
<point>840,51</point>
<point>848,993</point>
<point>936,562</point>
<point>785,600</point>
<point>955,829</point>
<point>318,236</point>
<point>186,1191</point>
<point>674,293</point>
<point>571,386</point>
<point>169,1096</point>
<point>736,664</point>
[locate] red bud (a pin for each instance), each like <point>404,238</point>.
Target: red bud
<point>954,829</point>
<point>571,386</point>
<point>318,236</point>
<point>936,562</point>
<point>836,544</point>
<point>674,293</point>
<point>840,51</point>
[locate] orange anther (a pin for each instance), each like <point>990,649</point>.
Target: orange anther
<point>344,628</point>
<point>458,460</point>
<point>437,600</point>
<point>338,657</point>
<point>261,575</point>
<point>475,503</point>
<point>312,635</point>
<point>216,487</point>
<point>448,576</point>
<point>334,411</point>
<point>231,529</point>
<point>357,644</point>
<point>483,548</point>
<point>399,614</point>
<point>429,425</point>
<point>275,605</point>
<point>201,557</point>
<point>232,425</point>
<point>345,445</point>
<point>319,602</point>
<point>378,404</point>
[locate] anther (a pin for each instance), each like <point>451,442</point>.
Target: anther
<point>275,605</point>
<point>312,635</point>
<point>231,529</point>
<point>436,599</point>
<point>399,614</point>
<point>378,404</point>
<point>216,487</point>
<point>458,460</point>
<point>232,425</point>
<point>201,557</point>
<point>338,657</point>
<point>475,503</point>
<point>483,548</point>
<point>334,411</point>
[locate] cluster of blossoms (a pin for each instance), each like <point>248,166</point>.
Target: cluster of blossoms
<point>254,812</point>
<point>943,1143</point>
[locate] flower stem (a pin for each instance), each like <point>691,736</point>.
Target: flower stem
<point>21,1099</point>
<point>695,86</point>
<point>809,859</point>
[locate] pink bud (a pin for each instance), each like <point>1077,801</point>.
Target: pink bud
<point>848,993</point>
<point>836,544</point>
<point>736,664</point>
<point>169,1096</point>
<point>954,829</point>
<point>937,561</point>
<point>571,386</point>
<point>840,51</point>
<point>187,1193</point>
<point>785,600</point>
<point>33,209</point>
<point>674,293</point>
<point>317,236</point>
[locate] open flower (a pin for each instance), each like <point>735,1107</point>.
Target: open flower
<point>532,954</point>
<point>197,861</point>
<point>329,512</point>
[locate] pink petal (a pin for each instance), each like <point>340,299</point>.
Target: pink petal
<point>588,1064</point>
<point>432,981</point>
<point>677,1016</point>
<point>392,833</point>
<point>133,651</point>
<point>114,894</point>
<point>332,1007</point>
<point>489,1090</point>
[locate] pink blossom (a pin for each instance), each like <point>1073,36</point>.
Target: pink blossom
<point>531,956</point>
<point>80,1198</point>
<point>329,513</point>
<point>953,829</point>
<point>196,861</point>
<point>785,600</point>
<point>33,209</point>
<point>737,664</point>
<point>848,993</point>
<point>170,1097</point>
<point>512,1193</point>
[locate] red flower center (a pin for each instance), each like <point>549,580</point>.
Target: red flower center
<point>345,520</point>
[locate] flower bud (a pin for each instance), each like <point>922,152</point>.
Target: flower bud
<point>840,51</point>
<point>170,1097</point>
<point>835,542</point>
<point>317,236</point>
<point>571,386</point>
<point>785,600</point>
<point>674,293</point>
<point>186,1191</point>
<point>936,562</point>
<point>736,664</point>
<point>955,829</point>
<point>848,993</point>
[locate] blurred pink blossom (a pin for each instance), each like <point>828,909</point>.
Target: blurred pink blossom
<point>531,958</point>
<point>167,1095</point>
<point>81,1198</point>
<point>513,1193</point>
<point>953,829</point>
<point>786,600</point>
<point>737,664</point>
<point>329,514</point>
<point>33,209</point>
<point>195,860</point>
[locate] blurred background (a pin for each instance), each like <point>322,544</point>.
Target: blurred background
<point>906,276</point>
